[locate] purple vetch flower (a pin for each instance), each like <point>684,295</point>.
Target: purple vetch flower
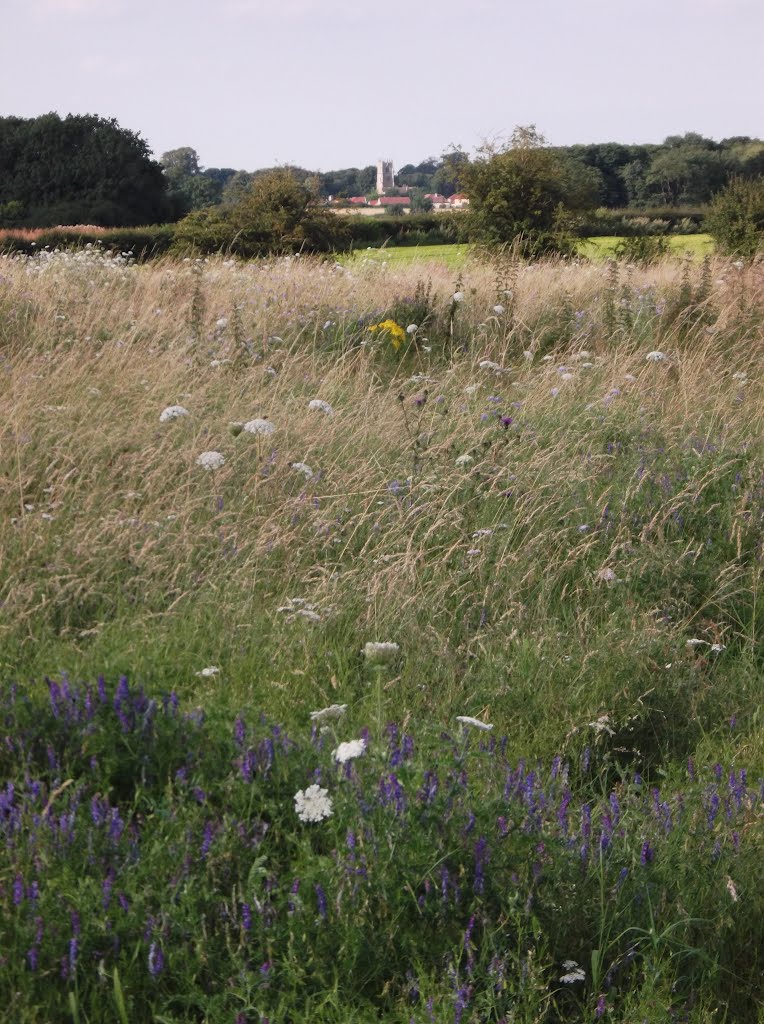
<point>239,731</point>
<point>106,887</point>
<point>506,422</point>
<point>646,855</point>
<point>481,859</point>
<point>124,902</point>
<point>265,968</point>
<point>209,835</point>
<point>155,960</point>
<point>32,956</point>
<point>321,902</point>
<point>294,890</point>
<point>18,890</point>
<point>601,1007</point>
<point>246,917</point>
<point>73,953</point>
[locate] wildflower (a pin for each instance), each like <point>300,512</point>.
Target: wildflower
<point>458,296</point>
<point>732,889</point>
<point>210,460</point>
<point>173,412</point>
<point>602,724</point>
<point>303,468</point>
<point>258,426</point>
<point>656,357</point>
<point>396,332</point>
<point>156,960</point>
<point>333,711</point>
<point>222,322</point>
<point>378,653</point>
<point>607,575</point>
<point>573,972</point>
<point>498,309</point>
<point>696,642</point>
<point>488,364</point>
<point>464,460</point>
<point>207,673</point>
<point>741,376</point>
<point>412,329</point>
<point>312,804</point>
<point>321,406</point>
<point>475,722</point>
<point>348,751</point>
<point>527,355</point>
<point>567,376</point>
<point>718,648</point>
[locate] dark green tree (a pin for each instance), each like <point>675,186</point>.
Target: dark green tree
<point>79,169</point>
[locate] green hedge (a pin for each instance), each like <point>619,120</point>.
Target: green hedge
<point>650,221</point>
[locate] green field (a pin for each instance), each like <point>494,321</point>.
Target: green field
<point>455,256</point>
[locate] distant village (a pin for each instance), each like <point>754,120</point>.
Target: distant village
<point>379,202</point>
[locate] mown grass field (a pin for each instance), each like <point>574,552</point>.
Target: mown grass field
<point>455,256</point>
<point>545,489</point>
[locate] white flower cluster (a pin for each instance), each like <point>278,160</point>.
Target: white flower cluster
<point>377,653</point>
<point>303,468</point>
<point>321,406</point>
<point>573,972</point>
<point>209,672</point>
<point>474,722</point>
<point>258,426</point>
<point>211,460</point>
<point>313,803</point>
<point>348,751</point>
<point>327,714</point>
<point>298,606</point>
<point>173,412</point>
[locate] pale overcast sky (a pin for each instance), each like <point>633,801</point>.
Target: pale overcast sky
<point>328,84</point>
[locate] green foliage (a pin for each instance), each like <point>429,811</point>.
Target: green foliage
<point>278,214</point>
<point>521,194</point>
<point>80,169</point>
<point>736,218</point>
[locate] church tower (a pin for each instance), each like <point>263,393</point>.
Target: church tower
<point>385,177</point>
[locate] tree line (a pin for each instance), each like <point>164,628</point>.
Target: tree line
<point>87,169</point>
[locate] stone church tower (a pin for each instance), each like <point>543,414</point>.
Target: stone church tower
<point>385,177</point>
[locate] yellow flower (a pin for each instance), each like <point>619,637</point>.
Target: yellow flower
<point>396,332</point>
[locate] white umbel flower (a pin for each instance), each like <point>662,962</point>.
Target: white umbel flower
<point>464,460</point>
<point>498,309</point>
<point>211,460</point>
<point>313,803</point>
<point>325,714</point>
<point>348,751</point>
<point>209,672</point>
<point>412,329</point>
<point>656,357</point>
<point>321,406</point>
<point>173,412</point>
<point>474,722</point>
<point>303,468</point>
<point>377,653</point>
<point>488,364</point>
<point>573,972</point>
<point>458,296</point>
<point>258,426</point>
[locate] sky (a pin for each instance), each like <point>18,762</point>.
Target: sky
<point>328,84</point>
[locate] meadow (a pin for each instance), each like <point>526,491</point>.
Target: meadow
<point>381,642</point>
